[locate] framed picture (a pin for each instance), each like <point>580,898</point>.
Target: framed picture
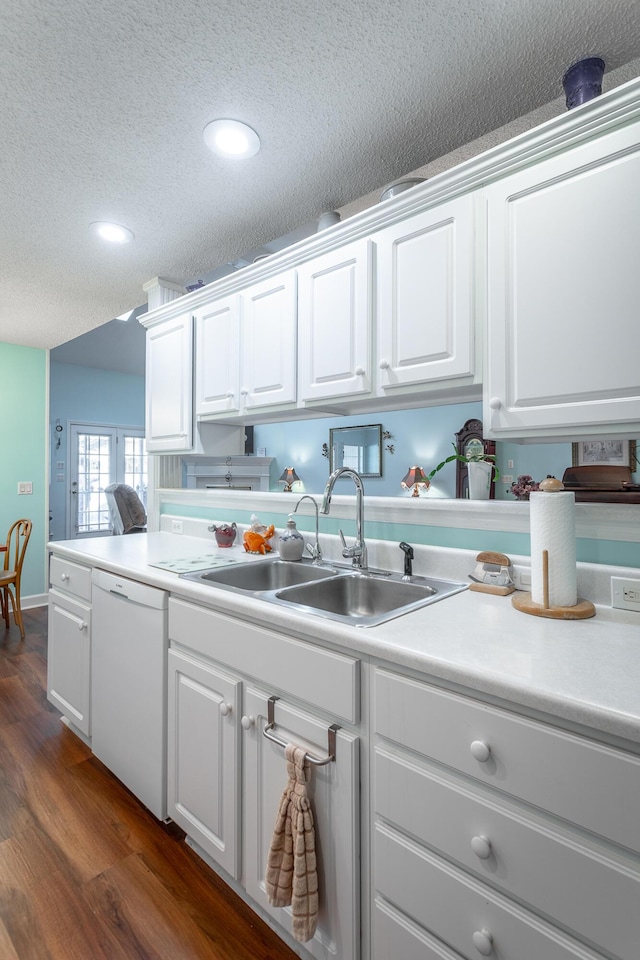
<point>618,453</point>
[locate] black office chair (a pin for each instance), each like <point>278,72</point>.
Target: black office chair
<point>125,509</point>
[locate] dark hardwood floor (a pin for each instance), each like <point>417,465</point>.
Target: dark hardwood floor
<point>86,873</point>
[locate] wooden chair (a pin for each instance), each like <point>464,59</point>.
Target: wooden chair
<point>17,540</point>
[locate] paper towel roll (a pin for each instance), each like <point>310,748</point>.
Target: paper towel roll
<point>553,528</point>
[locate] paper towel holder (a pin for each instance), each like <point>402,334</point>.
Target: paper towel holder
<point>581,610</point>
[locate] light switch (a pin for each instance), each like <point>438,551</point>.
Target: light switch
<point>25,486</point>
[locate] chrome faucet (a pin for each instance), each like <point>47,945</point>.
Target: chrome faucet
<point>358,552</point>
<point>315,551</point>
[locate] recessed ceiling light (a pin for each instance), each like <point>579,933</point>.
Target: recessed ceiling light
<point>112,232</point>
<point>231,138</point>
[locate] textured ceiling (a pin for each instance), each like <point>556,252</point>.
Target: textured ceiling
<point>103,108</point>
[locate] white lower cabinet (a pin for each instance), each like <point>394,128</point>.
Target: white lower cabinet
<point>202,756</point>
<point>225,778</point>
<point>69,642</point>
<point>463,854</point>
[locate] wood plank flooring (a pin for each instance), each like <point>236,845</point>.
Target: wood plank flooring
<point>86,872</point>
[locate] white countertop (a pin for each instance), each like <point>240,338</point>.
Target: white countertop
<point>586,672</point>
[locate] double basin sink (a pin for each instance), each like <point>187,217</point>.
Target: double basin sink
<point>347,595</point>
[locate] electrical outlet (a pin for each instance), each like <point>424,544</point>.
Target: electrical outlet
<point>176,526</point>
<point>625,594</point>
<point>510,464</point>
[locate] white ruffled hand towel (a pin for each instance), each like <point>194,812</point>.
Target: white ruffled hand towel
<point>292,878</point>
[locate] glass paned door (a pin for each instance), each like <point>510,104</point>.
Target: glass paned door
<point>100,455</point>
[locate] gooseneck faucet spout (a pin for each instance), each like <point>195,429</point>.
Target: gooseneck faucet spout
<point>357,552</point>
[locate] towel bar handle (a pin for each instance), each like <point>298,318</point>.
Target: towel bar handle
<point>316,761</point>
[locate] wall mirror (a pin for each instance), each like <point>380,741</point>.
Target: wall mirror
<point>357,447</point>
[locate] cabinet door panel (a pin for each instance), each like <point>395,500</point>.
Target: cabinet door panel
<point>169,385</point>
<point>217,357</point>
<point>269,343</point>
<point>203,766</point>
<point>564,290</point>
<point>333,790</point>
<point>334,293</point>
<point>425,289</point>
<point>69,659</point>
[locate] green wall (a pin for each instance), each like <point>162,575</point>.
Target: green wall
<point>23,446</point>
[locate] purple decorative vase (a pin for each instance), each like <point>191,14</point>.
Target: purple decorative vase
<point>583,81</point>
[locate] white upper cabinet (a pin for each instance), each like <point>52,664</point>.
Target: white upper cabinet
<point>246,350</point>
<point>334,324</point>
<point>268,344</point>
<point>217,357</point>
<point>563,293</point>
<point>169,385</point>
<point>425,288</point>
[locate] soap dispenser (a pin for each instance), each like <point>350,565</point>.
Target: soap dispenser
<point>291,541</point>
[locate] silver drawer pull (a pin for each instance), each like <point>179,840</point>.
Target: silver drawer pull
<point>483,942</point>
<point>480,750</point>
<point>317,761</point>
<point>481,846</point>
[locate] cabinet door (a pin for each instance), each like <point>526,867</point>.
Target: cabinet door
<point>169,385</point>
<point>217,357</point>
<point>202,754</point>
<point>564,288</point>
<point>333,790</point>
<point>69,659</point>
<point>268,349</point>
<point>334,324</point>
<point>425,311</point>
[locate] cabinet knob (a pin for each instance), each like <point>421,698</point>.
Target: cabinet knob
<point>247,722</point>
<point>229,395</point>
<point>481,846</point>
<point>82,625</point>
<point>483,942</point>
<point>495,403</point>
<point>64,577</point>
<point>244,392</point>
<point>359,371</point>
<point>384,364</point>
<point>481,751</point>
<point>225,709</point>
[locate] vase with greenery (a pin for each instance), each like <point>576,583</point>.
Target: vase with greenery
<point>473,456</point>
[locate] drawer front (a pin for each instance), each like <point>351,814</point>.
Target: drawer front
<point>464,913</point>
<point>575,882</point>
<point>320,677</point>
<point>70,577</point>
<point>394,935</point>
<point>524,757</point>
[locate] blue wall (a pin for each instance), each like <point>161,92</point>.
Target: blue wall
<point>422,436</point>
<point>23,441</point>
<point>85,395</point>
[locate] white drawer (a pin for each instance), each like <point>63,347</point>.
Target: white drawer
<point>320,677</point>
<point>70,577</point>
<point>394,935</point>
<point>578,779</point>
<point>459,909</point>
<point>579,884</point>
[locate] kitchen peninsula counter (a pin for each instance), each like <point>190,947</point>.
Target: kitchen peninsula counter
<point>586,672</point>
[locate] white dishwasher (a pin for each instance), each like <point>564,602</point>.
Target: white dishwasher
<point>128,685</point>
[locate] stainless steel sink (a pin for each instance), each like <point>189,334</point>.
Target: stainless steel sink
<point>364,599</point>
<point>261,575</point>
<point>358,598</point>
